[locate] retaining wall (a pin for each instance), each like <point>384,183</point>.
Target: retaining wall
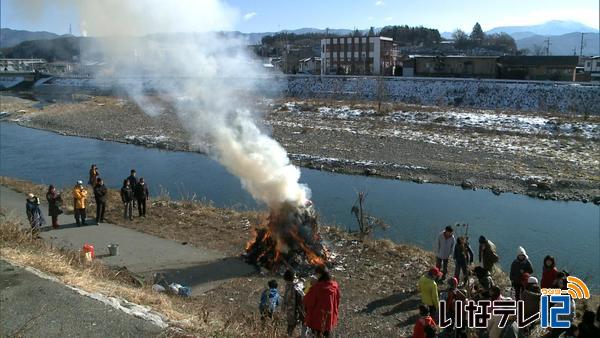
<point>519,95</point>
<point>566,97</point>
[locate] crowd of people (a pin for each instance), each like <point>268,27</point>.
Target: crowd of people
<point>525,287</point>
<point>314,307</point>
<point>133,192</point>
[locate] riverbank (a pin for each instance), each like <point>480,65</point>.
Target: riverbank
<point>540,155</point>
<point>378,278</point>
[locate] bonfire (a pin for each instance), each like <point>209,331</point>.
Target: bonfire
<point>288,239</point>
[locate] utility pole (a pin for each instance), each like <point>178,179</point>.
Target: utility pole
<point>581,45</point>
<point>547,41</point>
<point>70,30</point>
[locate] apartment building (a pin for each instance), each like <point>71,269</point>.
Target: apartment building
<point>364,55</point>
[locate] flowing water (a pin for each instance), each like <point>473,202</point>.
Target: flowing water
<point>570,231</point>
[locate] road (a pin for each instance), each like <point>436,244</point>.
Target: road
<point>35,307</point>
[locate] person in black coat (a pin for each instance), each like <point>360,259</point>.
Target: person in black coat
<point>141,195</point>
<point>518,267</point>
<point>101,195</point>
<point>463,256</point>
<point>133,181</point>
<point>127,198</point>
<point>54,201</point>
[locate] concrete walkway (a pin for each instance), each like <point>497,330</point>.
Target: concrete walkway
<point>144,254</point>
<point>37,307</point>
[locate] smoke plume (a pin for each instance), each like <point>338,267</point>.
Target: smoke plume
<point>207,79</point>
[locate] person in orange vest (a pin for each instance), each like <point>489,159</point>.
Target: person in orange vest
<point>79,203</point>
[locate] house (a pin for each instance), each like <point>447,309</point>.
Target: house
<point>311,65</point>
<point>21,65</point>
<point>456,66</point>
<point>591,66</point>
<point>553,68</point>
<point>358,55</point>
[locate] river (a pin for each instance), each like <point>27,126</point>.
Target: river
<point>416,212</point>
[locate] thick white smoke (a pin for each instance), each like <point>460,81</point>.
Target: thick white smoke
<point>207,79</point>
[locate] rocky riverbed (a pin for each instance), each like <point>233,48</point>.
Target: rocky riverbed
<point>550,156</point>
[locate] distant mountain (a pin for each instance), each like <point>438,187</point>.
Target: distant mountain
<point>562,44</point>
<point>554,27</point>
<point>255,38</point>
<point>12,37</point>
<point>58,49</point>
<point>446,35</point>
<point>521,35</point>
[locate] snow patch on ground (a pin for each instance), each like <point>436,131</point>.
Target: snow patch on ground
<point>341,161</point>
<point>482,119</point>
<point>146,139</point>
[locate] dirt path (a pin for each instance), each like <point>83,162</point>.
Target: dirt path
<point>141,253</point>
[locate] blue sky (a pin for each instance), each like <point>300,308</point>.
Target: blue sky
<point>273,15</point>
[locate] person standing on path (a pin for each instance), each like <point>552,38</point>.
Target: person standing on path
<point>127,198</point>
<point>79,203</point>
<point>463,256</point>
<point>141,195</point>
<point>54,201</point>
<point>487,254</point>
<point>444,249</point>
<point>34,214</point>
<point>322,303</point>
<point>94,173</point>
<point>100,195</point>
<point>133,181</point>
<point>518,267</point>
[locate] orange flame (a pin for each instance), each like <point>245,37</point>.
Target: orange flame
<point>266,243</point>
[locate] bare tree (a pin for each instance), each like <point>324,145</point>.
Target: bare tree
<point>366,222</point>
<point>381,93</point>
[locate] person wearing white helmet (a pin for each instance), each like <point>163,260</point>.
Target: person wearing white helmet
<point>79,202</point>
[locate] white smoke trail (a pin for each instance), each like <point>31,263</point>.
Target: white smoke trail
<point>207,79</point>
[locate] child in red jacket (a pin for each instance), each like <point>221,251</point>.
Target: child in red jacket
<point>425,326</point>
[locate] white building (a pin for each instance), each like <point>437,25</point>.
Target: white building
<point>311,65</point>
<point>592,66</point>
<point>21,65</point>
<point>365,55</point>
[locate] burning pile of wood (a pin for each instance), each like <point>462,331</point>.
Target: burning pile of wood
<point>289,239</point>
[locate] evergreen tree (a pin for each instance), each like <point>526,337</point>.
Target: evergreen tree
<point>477,35</point>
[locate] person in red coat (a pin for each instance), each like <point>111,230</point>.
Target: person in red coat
<point>425,326</point>
<point>322,303</point>
<point>549,273</point>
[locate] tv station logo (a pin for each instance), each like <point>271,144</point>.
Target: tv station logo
<point>555,309</point>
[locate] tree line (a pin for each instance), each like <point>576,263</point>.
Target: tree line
<point>500,42</point>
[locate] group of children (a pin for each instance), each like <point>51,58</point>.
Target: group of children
<point>314,307</point>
